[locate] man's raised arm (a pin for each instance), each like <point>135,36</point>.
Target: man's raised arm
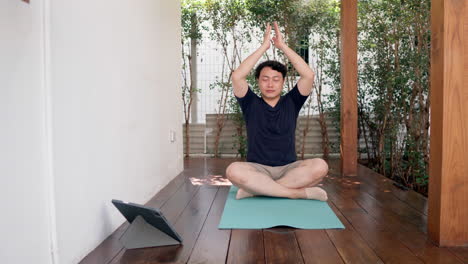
<point>239,76</point>
<point>306,81</point>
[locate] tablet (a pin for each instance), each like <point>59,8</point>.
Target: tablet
<point>152,216</point>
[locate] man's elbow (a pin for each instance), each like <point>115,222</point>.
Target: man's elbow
<point>236,76</point>
<point>308,76</point>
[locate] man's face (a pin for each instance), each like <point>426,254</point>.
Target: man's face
<point>270,82</point>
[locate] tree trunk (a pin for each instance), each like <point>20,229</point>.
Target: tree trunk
<point>187,140</point>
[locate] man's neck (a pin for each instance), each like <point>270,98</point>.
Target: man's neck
<point>272,102</point>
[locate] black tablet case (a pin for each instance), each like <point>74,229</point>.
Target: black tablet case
<point>148,228</point>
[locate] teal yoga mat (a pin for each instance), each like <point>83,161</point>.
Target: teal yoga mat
<point>266,212</point>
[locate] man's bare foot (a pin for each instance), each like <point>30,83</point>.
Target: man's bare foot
<point>316,193</point>
<point>242,194</point>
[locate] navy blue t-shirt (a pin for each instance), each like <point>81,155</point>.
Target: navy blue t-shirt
<point>271,130</point>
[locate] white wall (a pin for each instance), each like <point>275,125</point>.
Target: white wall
<point>24,220</point>
<point>116,96</point>
<point>114,90</point>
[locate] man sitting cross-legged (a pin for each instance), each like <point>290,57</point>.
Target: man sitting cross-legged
<point>271,168</point>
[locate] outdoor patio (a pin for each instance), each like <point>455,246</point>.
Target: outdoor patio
<point>384,224</point>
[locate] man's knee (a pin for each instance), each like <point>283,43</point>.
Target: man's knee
<point>236,172</point>
<point>318,165</point>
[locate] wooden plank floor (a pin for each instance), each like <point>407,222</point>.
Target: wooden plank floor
<point>384,224</point>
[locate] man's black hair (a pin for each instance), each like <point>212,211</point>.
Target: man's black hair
<point>275,65</point>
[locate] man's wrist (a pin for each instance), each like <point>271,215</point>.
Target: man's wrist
<point>265,46</point>
<point>283,47</point>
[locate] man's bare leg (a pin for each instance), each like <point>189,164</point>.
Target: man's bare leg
<point>292,185</point>
<point>256,183</point>
<point>309,173</point>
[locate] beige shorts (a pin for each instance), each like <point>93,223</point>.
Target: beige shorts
<point>275,172</point>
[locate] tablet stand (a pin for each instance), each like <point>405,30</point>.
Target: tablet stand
<point>140,234</point>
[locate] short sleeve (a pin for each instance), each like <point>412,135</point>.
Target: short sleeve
<point>247,100</point>
<point>297,98</point>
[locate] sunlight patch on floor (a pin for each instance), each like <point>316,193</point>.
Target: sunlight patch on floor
<point>216,180</point>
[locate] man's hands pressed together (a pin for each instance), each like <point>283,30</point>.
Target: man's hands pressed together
<point>267,37</point>
<point>278,38</point>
